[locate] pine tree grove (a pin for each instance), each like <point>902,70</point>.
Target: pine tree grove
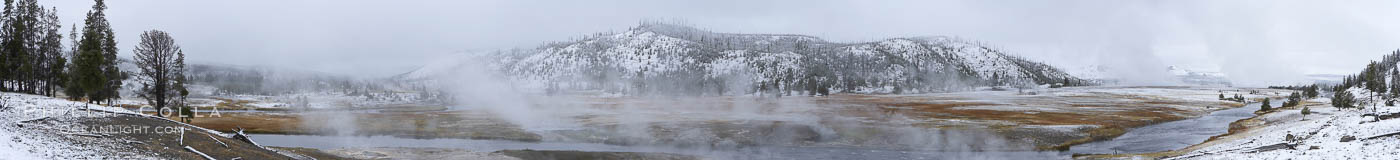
<point>33,60</point>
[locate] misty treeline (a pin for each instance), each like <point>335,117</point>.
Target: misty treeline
<point>658,58</point>
<point>1308,91</point>
<point>241,80</point>
<point>235,80</point>
<point>1380,80</point>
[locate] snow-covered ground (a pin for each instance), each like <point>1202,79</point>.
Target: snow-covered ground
<point>1327,133</point>
<point>39,127</point>
<point>19,143</point>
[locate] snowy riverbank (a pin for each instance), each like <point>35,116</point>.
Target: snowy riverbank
<point>1327,133</point>
<point>38,127</point>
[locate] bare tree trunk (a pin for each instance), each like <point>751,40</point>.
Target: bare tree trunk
<point>161,60</point>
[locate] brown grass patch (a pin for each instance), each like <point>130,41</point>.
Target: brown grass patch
<point>1112,123</point>
<point>232,104</point>
<point>253,123</point>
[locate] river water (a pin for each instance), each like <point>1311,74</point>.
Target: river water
<point>1170,135</point>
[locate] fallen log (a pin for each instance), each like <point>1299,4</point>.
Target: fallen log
<point>182,137</point>
<point>217,140</point>
<point>35,119</point>
<point>1381,136</point>
<point>239,135</point>
<point>1387,116</point>
<point>206,156</point>
<point>132,142</point>
<point>1273,147</point>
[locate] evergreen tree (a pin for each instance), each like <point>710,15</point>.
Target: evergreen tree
<point>1310,91</point>
<point>51,46</point>
<point>1265,106</point>
<point>1293,99</point>
<point>1374,80</point>
<point>19,65</point>
<point>1343,99</point>
<point>996,79</point>
<point>7,61</point>
<point>1394,83</point>
<point>27,54</point>
<point>94,73</point>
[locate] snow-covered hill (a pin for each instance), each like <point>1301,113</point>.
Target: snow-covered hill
<point>664,58</point>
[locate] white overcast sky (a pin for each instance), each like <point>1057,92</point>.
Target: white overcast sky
<point>1256,42</point>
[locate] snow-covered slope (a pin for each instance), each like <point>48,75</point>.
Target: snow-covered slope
<point>664,58</point>
<point>1327,133</point>
<point>39,127</point>
<point>1365,128</point>
<point>21,143</point>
